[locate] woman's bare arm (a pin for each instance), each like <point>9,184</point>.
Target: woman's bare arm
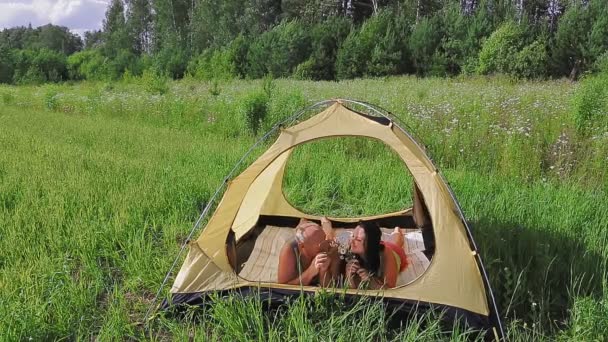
<point>390,268</point>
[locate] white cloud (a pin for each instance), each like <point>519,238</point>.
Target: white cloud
<point>78,15</point>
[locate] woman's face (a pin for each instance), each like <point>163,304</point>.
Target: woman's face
<point>357,243</point>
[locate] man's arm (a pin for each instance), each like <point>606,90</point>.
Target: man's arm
<point>330,275</point>
<point>288,269</point>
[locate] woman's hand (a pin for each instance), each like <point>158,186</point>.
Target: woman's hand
<point>363,274</point>
<point>327,228</point>
<point>351,268</point>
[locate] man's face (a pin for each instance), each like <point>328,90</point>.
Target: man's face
<point>313,237</point>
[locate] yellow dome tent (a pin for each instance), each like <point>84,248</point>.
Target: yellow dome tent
<point>455,278</point>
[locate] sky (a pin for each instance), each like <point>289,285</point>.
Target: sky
<point>78,15</point>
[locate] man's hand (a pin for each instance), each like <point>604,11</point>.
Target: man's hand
<point>321,262</point>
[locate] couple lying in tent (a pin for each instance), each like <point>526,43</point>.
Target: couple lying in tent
<point>312,257</point>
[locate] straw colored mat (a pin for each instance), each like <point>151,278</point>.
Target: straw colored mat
<point>263,263</point>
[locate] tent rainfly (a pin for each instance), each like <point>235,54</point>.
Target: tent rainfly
<point>455,281</point>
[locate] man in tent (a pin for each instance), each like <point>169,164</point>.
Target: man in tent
<point>308,259</point>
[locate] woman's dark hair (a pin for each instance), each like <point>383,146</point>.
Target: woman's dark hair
<point>373,248</point>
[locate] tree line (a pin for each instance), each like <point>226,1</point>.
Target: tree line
<point>316,39</point>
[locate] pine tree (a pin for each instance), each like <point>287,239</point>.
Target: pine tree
<point>312,11</point>
<point>115,34</point>
<point>93,39</point>
<point>216,23</point>
<point>262,15</point>
<point>139,25</point>
<point>569,50</point>
<point>171,22</point>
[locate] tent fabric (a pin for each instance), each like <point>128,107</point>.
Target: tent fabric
<point>453,277</point>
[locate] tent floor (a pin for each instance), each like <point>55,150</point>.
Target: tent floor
<point>262,262</point>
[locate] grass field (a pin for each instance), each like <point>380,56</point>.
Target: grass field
<point>100,184</point>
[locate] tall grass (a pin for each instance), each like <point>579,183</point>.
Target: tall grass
<point>100,183</point>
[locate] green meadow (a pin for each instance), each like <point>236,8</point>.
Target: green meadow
<point>100,184</point>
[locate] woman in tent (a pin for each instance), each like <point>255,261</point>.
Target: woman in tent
<point>377,263</point>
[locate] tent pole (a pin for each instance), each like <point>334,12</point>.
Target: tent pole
<point>293,117</point>
<point>393,117</point>
<point>196,225</point>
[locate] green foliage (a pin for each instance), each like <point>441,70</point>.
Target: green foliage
<point>584,322</point>
<point>388,55</point>
<point>213,65</point>
<point>154,83</point>
<point>282,104</point>
<point>7,97</point>
<point>39,66</point>
<point>507,51</point>
<point>90,65</point>
<point>317,40</point>
<point>268,85</point>
<point>51,37</point>
<point>115,32</point>
<point>239,47</point>
<point>318,188</point>
<point>570,46</point>
<point>109,221</point>
<point>306,70</point>
<point>139,25</point>
<point>352,56</point>
<point>93,65</point>
<point>50,100</point>
<point>258,55</point>
<point>124,60</point>
<point>453,43</point>
<point>327,37</point>
<point>279,51</point>
<point>172,21</point>
<point>531,61</point>
<point>497,54</point>
<point>375,49</point>
<point>172,60</point>
<point>590,103</point>
<point>424,42</point>
<point>6,65</point>
<point>253,110</point>
<point>463,37</point>
<point>215,89</point>
<point>601,64</point>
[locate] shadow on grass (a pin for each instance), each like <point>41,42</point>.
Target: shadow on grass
<point>536,273</point>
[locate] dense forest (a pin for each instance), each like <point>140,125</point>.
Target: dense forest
<point>316,39</point>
